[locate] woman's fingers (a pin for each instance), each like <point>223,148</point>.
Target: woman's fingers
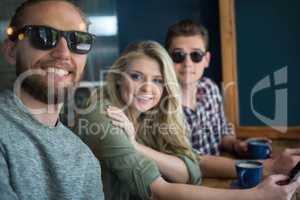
<point>116,116</point>
<point>118,124</point>
<point>122,124</point>
<point>116,113</point>
<point>294,151</point>
<point>128,129</point>
<point>114,109</point>
<point>295,183</point>
<point>120,120</point>
<point>277,177</point>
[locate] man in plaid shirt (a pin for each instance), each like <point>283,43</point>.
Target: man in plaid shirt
<point>207,122</point>
<point>202,102</point>
<point>187,43</point>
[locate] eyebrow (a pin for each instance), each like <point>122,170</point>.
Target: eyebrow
<point>198,49</point>
<point>158,76</point>
<point>138,72</point>
<point>195,49</point>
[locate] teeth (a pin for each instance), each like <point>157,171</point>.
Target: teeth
<point>59,72</point>
<point>145,97</point>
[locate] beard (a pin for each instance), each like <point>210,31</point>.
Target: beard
<point>41,86</point>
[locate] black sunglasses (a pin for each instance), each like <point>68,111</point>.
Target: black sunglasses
<point>180,56</point>
<point>46,38</point>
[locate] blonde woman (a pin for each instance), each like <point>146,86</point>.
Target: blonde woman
<point>136,129</point>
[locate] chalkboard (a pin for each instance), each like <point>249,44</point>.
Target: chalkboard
<point>268,40</point>
<point>260,45</point>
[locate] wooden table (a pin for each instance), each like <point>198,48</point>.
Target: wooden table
<point>277,147</point>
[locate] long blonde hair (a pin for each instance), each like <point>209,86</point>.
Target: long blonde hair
<point>170,140</point>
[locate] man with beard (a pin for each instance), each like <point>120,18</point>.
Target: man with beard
<point>40,158</point>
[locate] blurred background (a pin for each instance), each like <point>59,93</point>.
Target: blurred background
<point>116,23</point>
<point>267,41</point>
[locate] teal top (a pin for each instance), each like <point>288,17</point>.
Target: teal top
<point>126,174</point>
<point>38,162</point>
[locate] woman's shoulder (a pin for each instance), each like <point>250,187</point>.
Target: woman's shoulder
<point>95,128</point>
<point>92,117</point>
<point>94,107</point>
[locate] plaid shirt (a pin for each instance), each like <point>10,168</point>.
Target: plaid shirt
<point>207,123</point>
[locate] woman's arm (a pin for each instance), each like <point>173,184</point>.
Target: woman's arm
<point>126,172</point>
<point>168,191</point>
<point>171,167</point>
<point>267,190</point>
<point>217,167</point>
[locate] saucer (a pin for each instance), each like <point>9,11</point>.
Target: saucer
<point>235,185</point>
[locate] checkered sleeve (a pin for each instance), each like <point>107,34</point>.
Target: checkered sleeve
<point>226,127</point>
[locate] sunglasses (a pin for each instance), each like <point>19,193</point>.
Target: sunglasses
<point>180,56</point>
<point>46,38</point>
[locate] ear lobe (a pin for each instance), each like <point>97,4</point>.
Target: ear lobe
<point>207,59</point>
<point>9,51</point>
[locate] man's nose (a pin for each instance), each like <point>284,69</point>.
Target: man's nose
<point>188,61</point>
<point>61,50</point>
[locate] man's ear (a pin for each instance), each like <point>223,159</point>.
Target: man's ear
<point>207,59</point>
<point>9,51</point>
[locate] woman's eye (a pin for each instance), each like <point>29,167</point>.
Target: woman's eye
<point>158,81</point>
<point>135,77</point>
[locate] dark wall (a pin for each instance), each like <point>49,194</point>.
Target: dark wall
<point>268,41</point>
<point>144,20</point>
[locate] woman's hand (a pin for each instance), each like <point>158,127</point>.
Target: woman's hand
<point>119,119</point>
<point>269,189</point>
<point>284,162</point>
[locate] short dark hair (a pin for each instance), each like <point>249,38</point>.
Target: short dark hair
<point>17,19</point>
<point>186,27</point>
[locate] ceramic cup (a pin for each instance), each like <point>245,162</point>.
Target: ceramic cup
<point>259,149</point>
<point>250,173</point>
